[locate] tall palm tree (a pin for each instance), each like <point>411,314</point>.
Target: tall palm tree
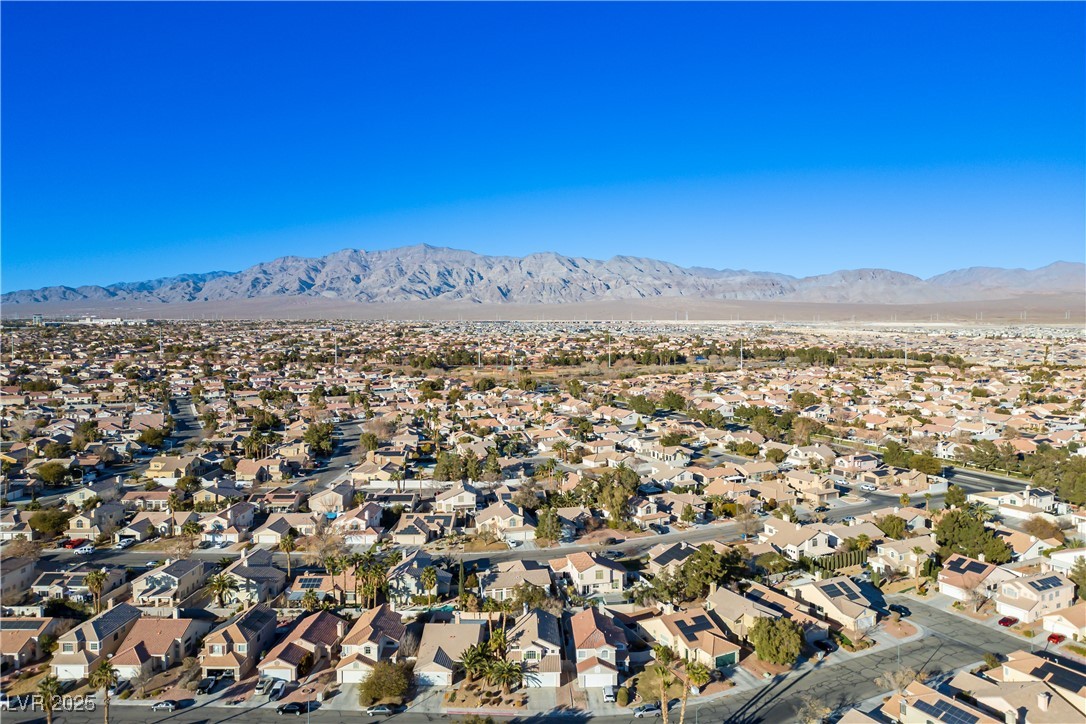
<point>287,544</point>
<point>917,551</point>
<point>666,681</point>
<point>49,691</point>
<point>498,643</point>
<point>104,677</point>
<point>562,448</point>
<point>309,600</point>
<point>333,567</point>
<point>221,584</point>
<point>428,579</point>
<point>697,674</point>
<point>226,562</point>
<point>95,581</point>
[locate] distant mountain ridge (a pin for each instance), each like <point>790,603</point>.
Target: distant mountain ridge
<point>425,272</point>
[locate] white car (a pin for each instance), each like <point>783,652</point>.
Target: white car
<point>124,543</point>
<point>164,705</point>
<point>84,550</point>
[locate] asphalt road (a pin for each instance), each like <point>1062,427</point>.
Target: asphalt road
<point>952,642</point>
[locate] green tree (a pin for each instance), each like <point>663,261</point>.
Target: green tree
<point>428,579</point>
<point>475,660</point>
<point>95,581</point>
<point>958,531</point>
<point>955,497</point>
<point>1078,577</point>
<point>50,522</point>
<point>369,442</point>
<point>287,544</point>
<point>387,681</point>
<point>892,525</point>
<point>53,473</point>
<point>775,455</point>
<point>505,673</point>
<point>548,528</point>
<point>777,640</point>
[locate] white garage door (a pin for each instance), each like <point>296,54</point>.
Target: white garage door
<point>284,674</point>
<point>432,679</point>
<point>597,681</point>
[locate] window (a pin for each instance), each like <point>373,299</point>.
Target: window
<point>599,575</point>
<point>368,651</point>
<point>217,650</point>
<point>79,523</point>
<point>581,654</point>
<point>529,655</point>
<point>69,648</point>
<point>242,648</point>
<point>93,645</point>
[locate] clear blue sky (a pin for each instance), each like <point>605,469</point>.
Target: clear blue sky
<point>142,140</point>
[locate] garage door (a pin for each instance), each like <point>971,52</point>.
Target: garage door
<point>284,674</point>
<point>597,681</point>
<point>432,679</point>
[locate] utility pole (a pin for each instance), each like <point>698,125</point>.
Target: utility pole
<point>740,354</point>
<point>608,349</point>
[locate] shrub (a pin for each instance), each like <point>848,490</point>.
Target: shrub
<point>622,696</point>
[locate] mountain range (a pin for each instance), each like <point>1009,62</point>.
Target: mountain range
<point>424,272</point>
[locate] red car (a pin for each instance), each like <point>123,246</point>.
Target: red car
<point>1008,621</point>
<point>75,542</point>
<point>1056,639</point>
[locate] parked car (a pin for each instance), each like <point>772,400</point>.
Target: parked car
<point>263,683</point>
<point>164,705</point>
<point>5,702</point>
<point>899,609</point>
<point>85,549</point>
<point>821,509</point>
<point>75,543</point>
<point>297,708</point>
<point>613,555</point>
<point>124,543</point>
<point>826,646</point>
<point>646,710</point>
<point>609,694</point>
<point>206,686</point>
<point>379,710</point>
<point>276,691</point>
<point>611,541</point>
<point>868,487</point>
<point>848,519</point>
<point>1008,621</point>
<point>1056,639</point>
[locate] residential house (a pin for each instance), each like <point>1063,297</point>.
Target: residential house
<point>312,640</point>
<point>360,525</point>
<point>105,491</point>
<point>590,575</point>
<point>80,649</point>
<point>375,636</point>
<point>236,646</point>
<point>535,641</point>
<point>258,579</point>
<point>1069,622</point>
<point>100,520</point>
<point>901,555</point>
<point>695,636</point>
<point>334,500</point>
<point>440,649</point>
<point>461,498</point>
<point>500,581</point>
<point>506,521</point>
<point>170,585</point>
<point>842,601</point>
<point>71,584</point>
<point>405,580</point>
<point>20,640</point>
<point>669,557</point>
<point>601,646</point>
<point>16,575</point>
<point>156,644</point>
<point>969,580</point>
<point>1032,597</point>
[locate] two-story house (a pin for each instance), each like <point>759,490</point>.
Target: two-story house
<point>236,646</point>
<point>1032,597</point>
<point>156,644</point>
<point>101,519</point>
<point>461,498</point>
<point>375,636</point>
<point>500,581</point>
<point>333,500</point>
<point>313,640</point>
<point>80,649</point>
<point>590,574</point>
<point>535,641</point>
<point>695,636</point>
<point>258,579</point>
<point>170,585</point>
<point>842,601</point>
<point>601,646</point>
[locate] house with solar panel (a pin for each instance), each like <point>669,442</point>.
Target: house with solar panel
<point>82,648</point>
<point>313,640</point>
<point>840,600</point>
<point>965,579</point>
<point>1033,597</point>
<point>20,640</point>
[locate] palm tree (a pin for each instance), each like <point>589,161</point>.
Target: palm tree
<point>309,600</point>
<point>49,691</point>
<point>397,477</point>
<point>333,568</point>
<point>287,545</point>
<point>562,448</point>
<point>104,677</point>
<point>474,661</point>
<point>863,542</point>
<point>666,681</point>
<point>95,581</point>
<point>498,643</point>
<point>429,581</point>
<point>697,674</point>
<point>506,673</point>
<point>918,551</point>
<point>226,562</point>
<point>221,584</point>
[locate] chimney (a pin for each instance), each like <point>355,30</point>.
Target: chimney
<point>712,588</point>
<point>897,509</point>
<point>980,557</point>
<point>1043,699</point>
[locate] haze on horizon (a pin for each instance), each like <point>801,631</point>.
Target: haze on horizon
<point>146,140</point>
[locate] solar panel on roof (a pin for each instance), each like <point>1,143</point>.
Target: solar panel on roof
<point>308,583</point>
<point>19,625</point>
<point>1046,583</point>
<point>945,711</point>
